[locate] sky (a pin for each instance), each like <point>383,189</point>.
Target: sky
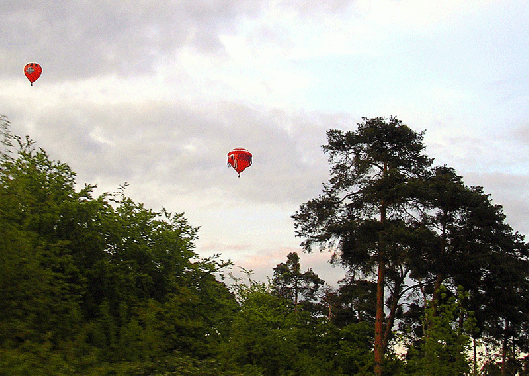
<point>156,93</point>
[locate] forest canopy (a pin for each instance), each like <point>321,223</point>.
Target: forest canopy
<point>102,285</point>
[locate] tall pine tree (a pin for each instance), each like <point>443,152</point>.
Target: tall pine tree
<point>361,213</point>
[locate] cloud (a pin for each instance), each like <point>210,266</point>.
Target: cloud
<point>157,93</point>
<point>73,39</point>
<point>184,144</point>
<point>508,190</point>
<point>521,134</point>
<point>262,264</point>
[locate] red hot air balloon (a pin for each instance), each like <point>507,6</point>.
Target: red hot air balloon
<point>32,72</point>
<point>239,159</point>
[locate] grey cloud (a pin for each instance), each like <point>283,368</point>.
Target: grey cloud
<point>521,134</point>
<point>499,165</point>
<point>508,190</point>
<point>185,146</point>
<point>74,39</point>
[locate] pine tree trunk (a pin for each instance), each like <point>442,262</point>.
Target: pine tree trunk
<point>379,318</point>
<point>475,371</point>
<point>504,351</point>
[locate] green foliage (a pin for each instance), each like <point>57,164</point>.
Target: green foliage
<point>354,355</point>
<point>270,335</point>
<point>363,213</point>
<point>104,286</point>
<point>263,332</point>
<point>443,349</point>
<point>390,217</point>
<point>300,288</point>
<point>97,285</point>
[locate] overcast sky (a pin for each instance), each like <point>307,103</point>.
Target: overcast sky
<point>156,93</point>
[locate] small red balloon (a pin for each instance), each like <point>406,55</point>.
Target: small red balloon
<point>32,72</point>
<point>239,159</point>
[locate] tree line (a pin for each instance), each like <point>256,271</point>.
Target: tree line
<point>105,286</point>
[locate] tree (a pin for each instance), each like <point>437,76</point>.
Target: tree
<point>271,338</point>
<point>40,282</point>
<point>443,349</point>
<point>299,288</point>
<point>354,302</point>
<point>99,285</point>
<point>501,299</point>
<point>34,193</point>
<point>361,212</point>
<point>467,243</point>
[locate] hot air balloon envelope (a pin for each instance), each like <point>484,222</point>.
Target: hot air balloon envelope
<point>239,159</point>
<point>32,72</point>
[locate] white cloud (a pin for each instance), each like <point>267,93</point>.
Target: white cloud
<point>418,15</point>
